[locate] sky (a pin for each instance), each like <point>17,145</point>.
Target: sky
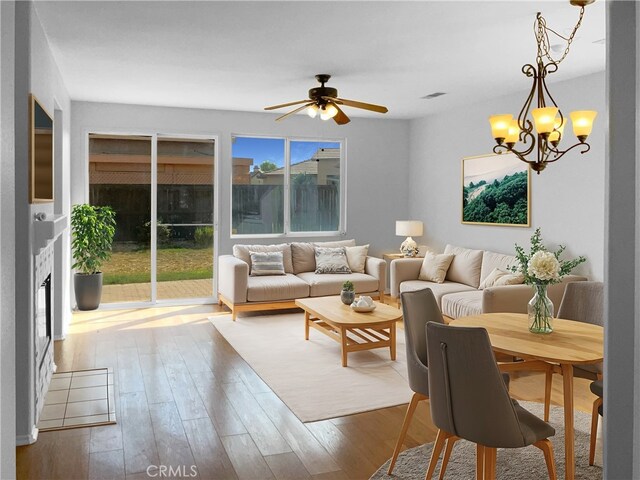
<point>272,149</point>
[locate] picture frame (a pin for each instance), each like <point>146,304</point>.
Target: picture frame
<point>496,190</point>
<point>41,171</point>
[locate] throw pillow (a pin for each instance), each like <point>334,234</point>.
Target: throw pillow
<point>243,252</point>
<point>266,263</point>
<point>331,260</point>
<point>434,267</point>
<point>499,277</point>
<point>357,257</point>
<point>304,257</point>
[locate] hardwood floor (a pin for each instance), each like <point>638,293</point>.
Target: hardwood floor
<point>186,398</point>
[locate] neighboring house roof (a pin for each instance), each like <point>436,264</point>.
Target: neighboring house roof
<point>310,166</point>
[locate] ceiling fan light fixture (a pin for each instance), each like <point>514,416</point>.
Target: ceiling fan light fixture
<point>327,112</point>
<point>312,111</point>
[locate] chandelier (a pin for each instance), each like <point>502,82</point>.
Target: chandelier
<point>548,120</point>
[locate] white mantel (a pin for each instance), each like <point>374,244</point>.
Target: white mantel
<point>47,230</point>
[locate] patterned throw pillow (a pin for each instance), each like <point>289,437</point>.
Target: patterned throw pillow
<point>332,260</point>
<point>266,263</point>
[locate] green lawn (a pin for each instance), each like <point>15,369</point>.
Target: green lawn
<point>173,264</point>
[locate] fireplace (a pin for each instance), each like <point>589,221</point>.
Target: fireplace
<point>42,327</point>
<point>43,321</point>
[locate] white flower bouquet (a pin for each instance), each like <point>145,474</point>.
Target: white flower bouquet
<point>541,268</point>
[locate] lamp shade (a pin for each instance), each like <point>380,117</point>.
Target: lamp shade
<point>312,111</point>
<point>409,228</point>
<point>582,122</point>
<point>514,132</point>
<point>544,118</point>
<point>500,125</point>
<point>558,129</point>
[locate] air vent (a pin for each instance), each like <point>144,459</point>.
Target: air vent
<point>433,95</point>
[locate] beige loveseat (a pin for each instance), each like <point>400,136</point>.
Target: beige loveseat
<point>242,292</point>
<point>460,294</point>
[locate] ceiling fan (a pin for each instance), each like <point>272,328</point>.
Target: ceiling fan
<point>325,101</point>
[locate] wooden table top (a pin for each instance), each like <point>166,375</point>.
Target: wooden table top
<point>570,342</point>
<point>332,309</point>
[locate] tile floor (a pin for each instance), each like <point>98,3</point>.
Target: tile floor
<point>79,398</point>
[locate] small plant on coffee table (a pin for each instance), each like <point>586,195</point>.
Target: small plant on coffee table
<point>348,294</point>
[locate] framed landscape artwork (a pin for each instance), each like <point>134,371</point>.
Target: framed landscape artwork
<point>496,190</point>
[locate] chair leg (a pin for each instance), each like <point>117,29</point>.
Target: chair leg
<point>479,462</point>
<point>594,429</point>
<point>447,453</point>
<point>547,448</point>
<point>405,426</point>
<point>435,454</point>
<point>548,380</point>
<point>490,463</point>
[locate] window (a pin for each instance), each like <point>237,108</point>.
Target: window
<point>265,169</point>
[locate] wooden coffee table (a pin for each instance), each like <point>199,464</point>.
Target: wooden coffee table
<point>352,330</point>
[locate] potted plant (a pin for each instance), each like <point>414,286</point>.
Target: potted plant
<point>348,294</point>
<point>92,230</point>
<point>542,268</point>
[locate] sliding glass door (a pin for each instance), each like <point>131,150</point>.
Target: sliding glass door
<point>120,177</point>
<point>185,218</point>
<point>162,189</point>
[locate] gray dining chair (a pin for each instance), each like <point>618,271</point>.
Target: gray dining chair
<point>582,302</point>
<point>470,400</point>
<point>596,389</point>
<point>418,308</point>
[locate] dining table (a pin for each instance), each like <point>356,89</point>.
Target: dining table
<point>570,343</point>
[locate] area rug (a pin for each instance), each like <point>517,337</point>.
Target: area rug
<point>512,464</point>
<point>307,375</point>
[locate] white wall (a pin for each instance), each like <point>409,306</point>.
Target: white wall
<point>38,74</point>
<point>376,161</point>
<point>7,243</point>
<point>567,199</point>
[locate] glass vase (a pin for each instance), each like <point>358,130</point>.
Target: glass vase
<point>540,310</point>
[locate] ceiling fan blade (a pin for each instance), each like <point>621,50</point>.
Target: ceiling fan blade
<point>286,104</point>
<point>294,111</point>
<point>365,106</point>
<point>340,118</point>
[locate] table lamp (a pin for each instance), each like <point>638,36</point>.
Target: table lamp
<point>409,228</point>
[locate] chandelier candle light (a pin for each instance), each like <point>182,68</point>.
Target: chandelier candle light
<point>409,228</point>
<point>548,120</point>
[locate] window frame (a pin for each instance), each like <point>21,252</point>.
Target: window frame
<point>287,233</point>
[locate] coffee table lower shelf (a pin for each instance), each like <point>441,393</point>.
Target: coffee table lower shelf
<point>354,339</point>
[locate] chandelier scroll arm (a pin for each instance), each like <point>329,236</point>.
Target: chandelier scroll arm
<point>558,154</point>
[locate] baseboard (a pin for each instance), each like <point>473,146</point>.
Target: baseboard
<point>59,337</point>
<point>27,439</point>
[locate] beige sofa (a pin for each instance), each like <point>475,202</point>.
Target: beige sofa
<point>242,292</point>
<point>460,294</point>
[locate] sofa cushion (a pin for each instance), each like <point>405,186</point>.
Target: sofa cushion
<point>461,304</point>
<point>357,257</point>
<point>465,267</point>
<point>303,253</point>
<point>438,289</point>
<point>266,263</point>
<point>243,252</point>
<point>332,260</point>
<point>434,267</point>
<point>492,260</point>
<point>324,284</point>
<point>500,278</point>
<point>276,287</point>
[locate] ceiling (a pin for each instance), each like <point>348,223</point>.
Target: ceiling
<point>247,55</point>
